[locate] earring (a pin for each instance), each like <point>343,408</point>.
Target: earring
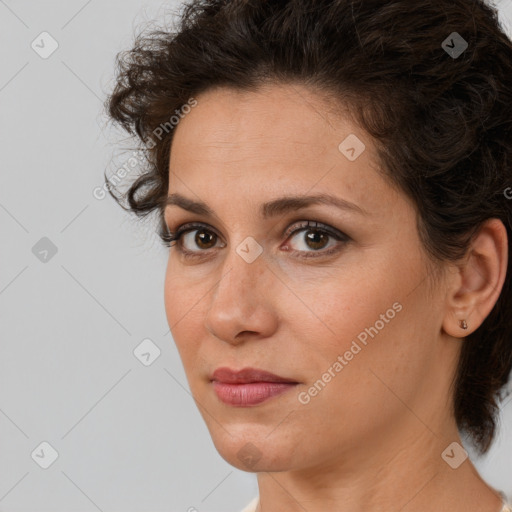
<point>463,324</point>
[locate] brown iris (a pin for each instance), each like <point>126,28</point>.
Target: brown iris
<point>205,237</point>
<point>315,237</point>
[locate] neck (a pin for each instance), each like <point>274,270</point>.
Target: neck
<point>398,472</point>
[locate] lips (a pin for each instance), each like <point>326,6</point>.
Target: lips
<point>246,376</point>
<point>249,386</point>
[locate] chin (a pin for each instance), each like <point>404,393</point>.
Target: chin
<point>248,449</point>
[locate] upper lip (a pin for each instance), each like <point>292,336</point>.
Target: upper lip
<point>246,375</point>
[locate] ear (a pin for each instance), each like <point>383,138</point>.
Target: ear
<point>475,285</point>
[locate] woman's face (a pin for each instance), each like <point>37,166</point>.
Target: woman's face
<point>343,309</point>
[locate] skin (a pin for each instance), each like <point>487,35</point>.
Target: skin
<point>372,438</point>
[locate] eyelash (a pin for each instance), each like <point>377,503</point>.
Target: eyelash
<point>169,237</point>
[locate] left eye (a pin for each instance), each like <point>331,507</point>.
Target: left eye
<point>313,238</point>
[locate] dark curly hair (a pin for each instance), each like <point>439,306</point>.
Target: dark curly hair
<point>441,121</point>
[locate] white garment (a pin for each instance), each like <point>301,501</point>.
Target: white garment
<point>506,506</point>
<point>251,507</point>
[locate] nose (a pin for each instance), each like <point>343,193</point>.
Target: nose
<point>242,303</point>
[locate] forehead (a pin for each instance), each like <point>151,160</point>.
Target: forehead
<point>277,138</point>
<point>277,116</point>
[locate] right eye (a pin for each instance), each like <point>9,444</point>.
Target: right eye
<point>189,235</point>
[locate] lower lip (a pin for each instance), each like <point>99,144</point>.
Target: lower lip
<point>245,395</point>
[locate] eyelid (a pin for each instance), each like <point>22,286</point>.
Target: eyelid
<point>289,231</point>
<point>313,224</point>
<point>188,226</point>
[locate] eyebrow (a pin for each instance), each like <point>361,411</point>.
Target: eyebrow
<point>272,208</point>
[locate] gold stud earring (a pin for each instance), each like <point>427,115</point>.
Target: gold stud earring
<point>463,324</point>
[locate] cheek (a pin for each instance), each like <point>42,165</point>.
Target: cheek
<point>353,385</point>
<point>368,317</point>
<point>183,310</point>
<point>383,339</point>
<point>183,289</point>
<point>172,292</point>
<point>342,307</point>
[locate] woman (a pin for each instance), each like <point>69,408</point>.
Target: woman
<point>333,178</point>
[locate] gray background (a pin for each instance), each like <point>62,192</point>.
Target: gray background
<point>128,436</point>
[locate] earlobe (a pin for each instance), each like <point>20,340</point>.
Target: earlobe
<point>456,326</point>
<point>477,285</point>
